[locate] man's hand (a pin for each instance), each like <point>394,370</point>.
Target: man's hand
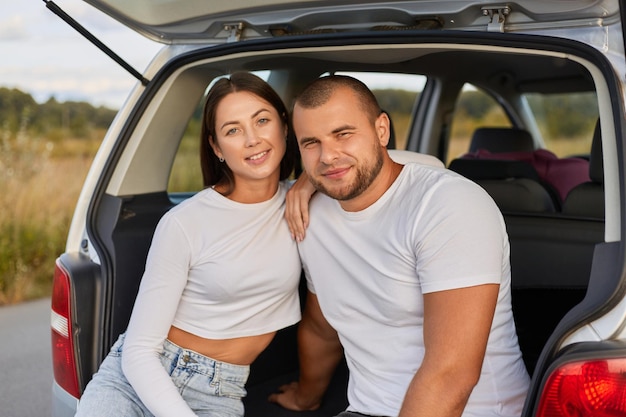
<point>320,352</point>
<point>287,397</point>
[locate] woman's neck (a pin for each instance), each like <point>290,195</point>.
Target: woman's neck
<point>249,192</point>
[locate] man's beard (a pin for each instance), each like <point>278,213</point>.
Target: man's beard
<point>365,176</point>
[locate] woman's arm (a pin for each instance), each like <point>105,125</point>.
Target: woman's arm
<point>297,206</point>
<point>160,291</point>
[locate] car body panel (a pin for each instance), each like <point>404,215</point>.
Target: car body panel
<point>203,40</point>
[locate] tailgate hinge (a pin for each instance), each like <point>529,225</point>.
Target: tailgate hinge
<point>497,16</point>
<point>235,30</point>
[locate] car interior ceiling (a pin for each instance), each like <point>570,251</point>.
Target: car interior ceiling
<point>520,71</point>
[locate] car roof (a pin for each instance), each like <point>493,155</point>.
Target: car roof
<point>201,21</point>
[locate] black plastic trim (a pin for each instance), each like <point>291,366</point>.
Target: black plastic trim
<point>86,295</point>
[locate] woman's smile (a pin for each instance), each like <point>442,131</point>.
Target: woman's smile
<point>259,158</point>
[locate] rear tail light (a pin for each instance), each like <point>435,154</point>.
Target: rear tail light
<point>63,361</point>
<point>586,389</point>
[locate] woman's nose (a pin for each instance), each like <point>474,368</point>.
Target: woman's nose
<point>252,139</point>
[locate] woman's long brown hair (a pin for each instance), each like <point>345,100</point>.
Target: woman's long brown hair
<point>216,172</point>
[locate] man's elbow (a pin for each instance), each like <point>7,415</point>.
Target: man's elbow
<point>457,378</point>
<point>467,380</point>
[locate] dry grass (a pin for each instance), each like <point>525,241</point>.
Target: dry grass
<point>40,185</point>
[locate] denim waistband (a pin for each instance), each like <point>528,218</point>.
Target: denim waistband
<point>192,359</point>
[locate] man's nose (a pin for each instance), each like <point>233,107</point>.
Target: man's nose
<point>329,153</point>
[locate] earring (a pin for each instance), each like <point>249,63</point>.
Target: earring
<point>221,159</point>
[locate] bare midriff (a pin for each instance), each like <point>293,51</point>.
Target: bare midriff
<point>238,351</point>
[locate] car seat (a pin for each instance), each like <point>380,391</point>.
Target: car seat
<point>587,199</point>
<point>513,184</point>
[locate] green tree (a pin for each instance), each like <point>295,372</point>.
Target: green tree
<point>16,109</point>
<point>475,104</point>
<point>20,112</point>
<point>395,101</point>
<point>565,115</point>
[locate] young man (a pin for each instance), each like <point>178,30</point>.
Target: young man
<point>408,271</point>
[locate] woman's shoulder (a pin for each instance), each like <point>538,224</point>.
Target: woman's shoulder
<point>196,202</point>
<point>284,186</point>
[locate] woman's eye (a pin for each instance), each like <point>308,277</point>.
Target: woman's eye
<point>230,132</point>
<point>263,120</point>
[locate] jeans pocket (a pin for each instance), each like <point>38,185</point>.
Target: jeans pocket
<point>231,389</point>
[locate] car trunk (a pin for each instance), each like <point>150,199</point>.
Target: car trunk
<point>553,314</point>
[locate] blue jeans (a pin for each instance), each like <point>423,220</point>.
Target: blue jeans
<point>211,388</point>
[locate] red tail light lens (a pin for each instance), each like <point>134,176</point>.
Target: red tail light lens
<point>63,361</point>
<point>586,389</point>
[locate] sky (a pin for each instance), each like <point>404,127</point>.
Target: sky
<point>42,55</point>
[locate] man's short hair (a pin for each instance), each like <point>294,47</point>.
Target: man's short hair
<point>319,92</point>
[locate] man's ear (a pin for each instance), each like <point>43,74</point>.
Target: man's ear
<point>383,128</point>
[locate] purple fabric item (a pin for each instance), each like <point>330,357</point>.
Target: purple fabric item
<point>562,174</point>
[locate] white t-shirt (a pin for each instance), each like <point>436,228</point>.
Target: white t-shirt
<point>431,231</point>
<point>217,269</point>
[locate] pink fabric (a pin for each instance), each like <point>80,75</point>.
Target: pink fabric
<point>561,173</point>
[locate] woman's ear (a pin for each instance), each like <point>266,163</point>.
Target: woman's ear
<point>216,149</point>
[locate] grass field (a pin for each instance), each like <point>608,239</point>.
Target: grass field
<point>41,180</point>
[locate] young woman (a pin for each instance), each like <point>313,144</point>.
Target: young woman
<point>221,275</point>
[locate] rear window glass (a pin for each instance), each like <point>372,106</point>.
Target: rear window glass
<point>397,95</point>
<point>186,174</point>
<point>474,108</point>
<point>566,121</point>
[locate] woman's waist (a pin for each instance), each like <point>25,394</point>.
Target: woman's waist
<point>236,351</point>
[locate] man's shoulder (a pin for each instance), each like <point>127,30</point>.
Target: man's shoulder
<point>428,177</point>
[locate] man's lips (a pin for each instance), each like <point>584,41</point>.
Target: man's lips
<point>335,173</point>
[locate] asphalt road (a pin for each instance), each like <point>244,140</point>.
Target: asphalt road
<point>25,361</point>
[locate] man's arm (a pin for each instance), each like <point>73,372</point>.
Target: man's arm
<point>456,328</point>
<point>320,351</point>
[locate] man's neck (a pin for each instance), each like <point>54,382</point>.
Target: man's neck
<point>385,178</point>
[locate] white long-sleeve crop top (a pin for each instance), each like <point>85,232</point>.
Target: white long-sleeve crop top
<point>217,269</point>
